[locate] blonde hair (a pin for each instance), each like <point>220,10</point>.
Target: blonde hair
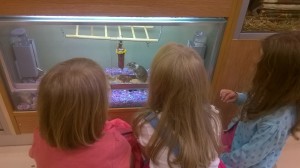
<point>72,103</point>
<point>179,90</point>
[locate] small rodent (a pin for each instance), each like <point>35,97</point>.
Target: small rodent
<point>140,72</point>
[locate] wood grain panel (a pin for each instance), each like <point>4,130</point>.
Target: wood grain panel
<point>225,46</point>
<point>126,114</point>
<point>237,73</point>
<point>27,121</point>
<point>197,8</point>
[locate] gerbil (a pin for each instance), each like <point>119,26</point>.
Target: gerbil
<point>140,72</point>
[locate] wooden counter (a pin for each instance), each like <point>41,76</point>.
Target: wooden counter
<point>27,121</point>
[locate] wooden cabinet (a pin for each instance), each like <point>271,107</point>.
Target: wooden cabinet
<point>230,66</point>
<point>237,73</point>
<point>179,8</point>
<point>27,121</point>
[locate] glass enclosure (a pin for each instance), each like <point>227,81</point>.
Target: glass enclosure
<point>271,15</point>
<point>123,46</point>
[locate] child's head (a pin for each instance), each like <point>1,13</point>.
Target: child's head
<point>179,92</point>
<point>177,75</point>
<point>72,103</point>
<point>277,79</point>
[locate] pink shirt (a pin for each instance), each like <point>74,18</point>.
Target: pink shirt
<point>111,151</point>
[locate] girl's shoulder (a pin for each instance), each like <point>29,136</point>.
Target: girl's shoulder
<point>118,128</point>
<point>285,112</point>
<point>115,134</point>
<point>283,117</point>
<point>117,124</point>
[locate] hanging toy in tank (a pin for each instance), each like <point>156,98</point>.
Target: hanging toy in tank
<point>140,72</point>
<point>121,54</point>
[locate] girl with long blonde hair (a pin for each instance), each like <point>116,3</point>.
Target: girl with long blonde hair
<point>187,128</point>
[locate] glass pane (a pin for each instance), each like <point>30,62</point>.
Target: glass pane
<point>272,16</point>
<point>32,45</point>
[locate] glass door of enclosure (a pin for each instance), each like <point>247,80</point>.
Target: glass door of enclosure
<point>30,45</point>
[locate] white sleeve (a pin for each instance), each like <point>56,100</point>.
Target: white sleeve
<point>216,123</point>
<point>215,163</point>
<point>145,134</point>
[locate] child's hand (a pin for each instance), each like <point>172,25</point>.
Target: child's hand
<point>228,96</point>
